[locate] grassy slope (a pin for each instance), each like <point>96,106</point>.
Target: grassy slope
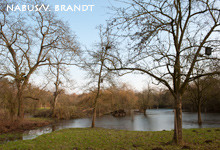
<point>118,139</point>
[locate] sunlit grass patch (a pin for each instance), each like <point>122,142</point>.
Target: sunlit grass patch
<point>100,139</point>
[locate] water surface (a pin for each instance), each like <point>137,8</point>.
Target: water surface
<point>155,120</point>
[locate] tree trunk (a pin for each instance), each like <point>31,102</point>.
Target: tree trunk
<point>21,85</point>
<point>132,115</point>
<point>20,104</point>
<point>54,105</point>
<point>145,112</point>
<point>93,117</point>
<point>178,121</point>
<point>97,96</point>
<point>199,115</point>
<point>94,108</point>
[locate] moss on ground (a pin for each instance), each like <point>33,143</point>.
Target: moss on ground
<point>106,139</point>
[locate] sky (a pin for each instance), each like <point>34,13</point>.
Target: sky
<point>84,24</point>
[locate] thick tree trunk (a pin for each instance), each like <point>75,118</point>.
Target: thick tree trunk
<point>54,105</point>
<point>21,85</point>
<point>199,115</point>
<point>178,121</point>
<point>20,104</point>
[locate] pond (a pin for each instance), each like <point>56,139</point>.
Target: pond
<point>155,120</point>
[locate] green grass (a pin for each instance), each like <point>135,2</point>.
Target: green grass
<point>43,108</point>
<point>106,139</point>
<point>10,137</point>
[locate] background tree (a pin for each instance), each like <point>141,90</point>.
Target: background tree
<point>146,99</point>
<point>25,43</point>
<point>112,98</point>
<point>165,39</point>
<point>164,99</point>
<point>59,59</point>
<point>123,97</point>
<point>198,93</point>
<point>94,64</point>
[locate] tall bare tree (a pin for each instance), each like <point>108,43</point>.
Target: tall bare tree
<point>26,39</point>
<point>58,71</point>
<point>165,39</point>
<point>94,64</point>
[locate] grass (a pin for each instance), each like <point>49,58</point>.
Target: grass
<point>106,139</point>
<point>10,137</point>
<point>43,108</point>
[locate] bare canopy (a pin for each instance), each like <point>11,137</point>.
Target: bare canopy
<point>165,39</point>
<point>26,42</point>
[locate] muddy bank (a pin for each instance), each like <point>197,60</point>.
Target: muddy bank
<point>26,124</point>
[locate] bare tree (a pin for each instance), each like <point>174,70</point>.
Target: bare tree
<point>146,99</point>
<point>165,39</point>
<point>58,71</point>
<point>94,64</point>
<point>26,39</point>
<point>55,70</point>
<point>198,92</point>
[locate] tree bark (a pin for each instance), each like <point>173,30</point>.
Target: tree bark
<point>95,104</point>
<point>54,105</point>
<point>178,121</point>
<point>93,117</point>
<point>21,85</point>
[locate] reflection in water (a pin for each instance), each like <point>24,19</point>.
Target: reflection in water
<point>155,120</point>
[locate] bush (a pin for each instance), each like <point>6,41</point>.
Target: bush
<point>68,112</point>
<point>45,113</point>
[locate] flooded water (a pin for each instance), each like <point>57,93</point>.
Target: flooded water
<point>155,120</point>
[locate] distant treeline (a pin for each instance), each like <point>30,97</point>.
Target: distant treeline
<point>38,102</point>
